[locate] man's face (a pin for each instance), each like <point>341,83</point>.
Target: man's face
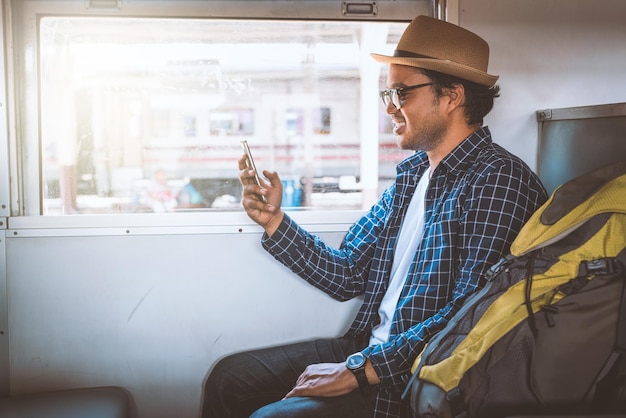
<point>419,124</point>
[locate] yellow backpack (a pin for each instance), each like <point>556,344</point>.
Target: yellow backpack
<point>547,332</point>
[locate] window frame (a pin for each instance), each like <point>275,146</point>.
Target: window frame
<point>6,160</point>
<point>23,17</point>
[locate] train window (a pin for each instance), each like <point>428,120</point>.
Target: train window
<point>234,122</point>
<point>145,114</point>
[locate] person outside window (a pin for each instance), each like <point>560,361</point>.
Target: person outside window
<point>159,197</point>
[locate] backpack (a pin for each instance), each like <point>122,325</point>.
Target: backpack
<point>547,333</point>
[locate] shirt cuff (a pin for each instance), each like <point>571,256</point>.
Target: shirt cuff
<point>386,368</point>
<point>281,239</point>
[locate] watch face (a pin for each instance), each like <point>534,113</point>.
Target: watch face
<point>354,361</point>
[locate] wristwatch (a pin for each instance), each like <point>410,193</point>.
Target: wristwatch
<point>356,364</point>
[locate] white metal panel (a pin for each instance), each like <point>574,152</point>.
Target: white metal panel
<point>153,312</point>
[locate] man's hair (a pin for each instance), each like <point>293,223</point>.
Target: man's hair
<point>478,99</point>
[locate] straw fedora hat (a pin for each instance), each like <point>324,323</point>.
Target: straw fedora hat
<point>440,46</point>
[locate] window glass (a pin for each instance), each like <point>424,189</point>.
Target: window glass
<point>147,115</point>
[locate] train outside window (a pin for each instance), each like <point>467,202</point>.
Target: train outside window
<point>141,109</point>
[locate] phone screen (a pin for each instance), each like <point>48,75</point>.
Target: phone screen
<point>251,164</point>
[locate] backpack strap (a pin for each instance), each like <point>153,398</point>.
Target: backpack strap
<point>530,271</point>
<point>620,339</point>
<point>611,265</point>
<point>609,394</point>
<point>618,395</point>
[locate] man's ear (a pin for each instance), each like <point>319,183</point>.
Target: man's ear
<point>455,95</point>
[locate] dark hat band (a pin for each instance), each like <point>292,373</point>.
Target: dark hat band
<point>406,54</point>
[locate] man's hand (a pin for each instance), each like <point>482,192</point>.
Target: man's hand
<point>329,379</point>
<point>324,379</point>
<point>268,215</point>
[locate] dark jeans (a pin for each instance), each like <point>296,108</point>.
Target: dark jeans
<point>243,383</point>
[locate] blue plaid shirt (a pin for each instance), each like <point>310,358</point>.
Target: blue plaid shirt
<point>478,198</point>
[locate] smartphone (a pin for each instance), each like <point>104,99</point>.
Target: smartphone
<point>251,165</point>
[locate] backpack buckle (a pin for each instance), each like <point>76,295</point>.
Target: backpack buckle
<point>497,268</point>
<point>601,266</point>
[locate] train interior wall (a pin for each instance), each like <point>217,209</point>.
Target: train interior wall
<point>152,306</point>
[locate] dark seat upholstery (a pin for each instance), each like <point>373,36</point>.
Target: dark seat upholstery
<point>98,402</point>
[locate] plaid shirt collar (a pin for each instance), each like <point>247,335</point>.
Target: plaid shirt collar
<point>456,161</point>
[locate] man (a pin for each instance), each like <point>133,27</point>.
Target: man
<point>454,209</point>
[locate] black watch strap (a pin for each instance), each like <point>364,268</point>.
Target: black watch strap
<point>361,377</point>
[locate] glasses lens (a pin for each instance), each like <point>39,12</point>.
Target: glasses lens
<point>390,96</point>
<point>395,98</point>
<point>384,95</point>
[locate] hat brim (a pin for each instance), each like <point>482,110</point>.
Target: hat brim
<point>442,66</point>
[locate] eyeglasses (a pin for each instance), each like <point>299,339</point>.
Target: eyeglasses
<point>394,96</point>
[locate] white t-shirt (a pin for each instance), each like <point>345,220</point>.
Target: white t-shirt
<point>410,235</point>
